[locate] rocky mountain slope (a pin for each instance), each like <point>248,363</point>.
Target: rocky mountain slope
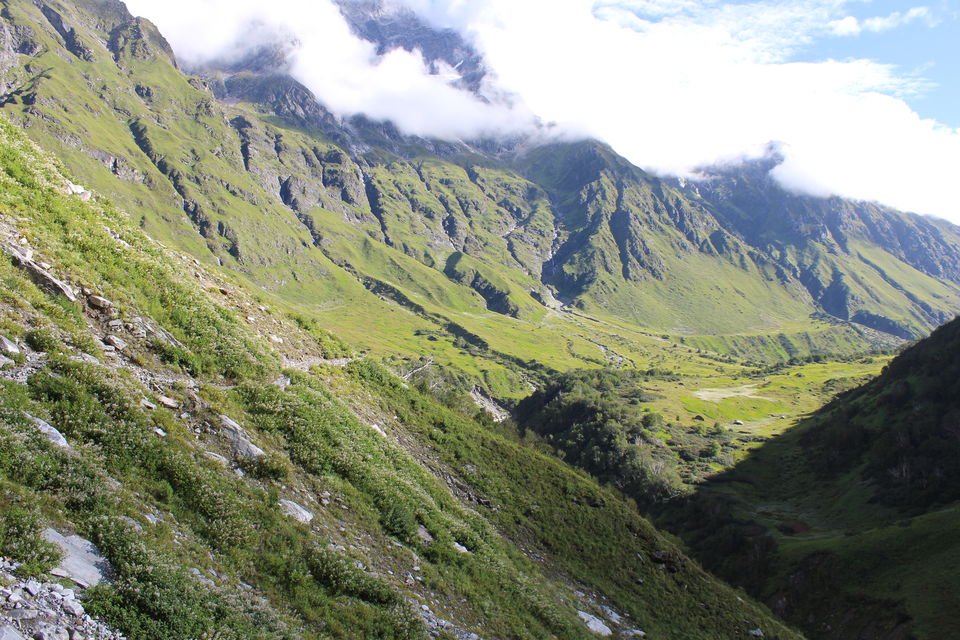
<point>244,167</point>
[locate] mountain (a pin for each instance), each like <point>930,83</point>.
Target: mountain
<point>483,242</point>
<point>203,462</point>
<point>846,523</point>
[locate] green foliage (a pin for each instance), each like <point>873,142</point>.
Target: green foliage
<point>331,347</point>
<point>21,539</point>
<point>596,420</point>
<point>901,428</point>
<point>44,340</point>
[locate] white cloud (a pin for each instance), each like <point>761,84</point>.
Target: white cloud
<point>342,70</point>
<point>671,84</point>
<point>851,26</point>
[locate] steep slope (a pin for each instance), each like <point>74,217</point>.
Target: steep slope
<point>846,524</point>
<point>239,482</point>
<point>396,240</point>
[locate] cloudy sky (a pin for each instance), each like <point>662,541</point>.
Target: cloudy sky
<point>861,96</point>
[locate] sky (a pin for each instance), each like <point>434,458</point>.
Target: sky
<point>860,97</point>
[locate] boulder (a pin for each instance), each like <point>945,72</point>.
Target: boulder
<point>116,342</point>
<point>242,446</point>
<point>8,347</point>
<point>82,561</point>
<point>49,432</point>
<point>39,275</point>
<point>424,535</point>
<point>99,302</point>
<point>169,403</point>
<point>595,624</point>
<point>295,511</point>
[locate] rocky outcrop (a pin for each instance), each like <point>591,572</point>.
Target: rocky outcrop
<point>71,39</point>
<point>44,611</point>
<point>39,274</point>
<point>242,446</point>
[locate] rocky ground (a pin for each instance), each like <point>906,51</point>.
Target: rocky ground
<point>44,611</point>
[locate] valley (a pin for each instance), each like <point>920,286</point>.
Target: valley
<point>300,375</point>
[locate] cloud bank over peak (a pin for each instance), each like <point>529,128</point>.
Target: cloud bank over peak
<point>671,84</point>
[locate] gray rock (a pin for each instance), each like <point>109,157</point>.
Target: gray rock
<point>22,614</point>
<point>9,633</point>
<point>32,587</point>
<point>73,608</point>
<point>460,548</point>
<point>633,633</point>
<point>595,624</point>
<point>242,445</point>
<point>99,302</point>
<point>424,535</point>
<point>116,342</point>
<point>39,275</point>
<point>611,615</point>
<point>169,403</point>
<point>82,561</point>
<point>51,434</point>
<point>216,457</point>
<point>296,511</point>
<point>5,361</point>
<point>757,633</point>
<point>8,347</point>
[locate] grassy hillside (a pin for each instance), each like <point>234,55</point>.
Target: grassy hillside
<point>414,505</point>
<point>845,524</point>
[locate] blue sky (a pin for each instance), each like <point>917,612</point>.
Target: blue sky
<point>926,48</point>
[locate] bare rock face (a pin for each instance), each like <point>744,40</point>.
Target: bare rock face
<point>81,562</point>
<point>296,511</point>
<point>242,446</point>
<point>39,274</point>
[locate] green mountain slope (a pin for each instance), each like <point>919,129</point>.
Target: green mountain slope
<point>191,411</point>
<point>847,523</point>
<point>393,241</point>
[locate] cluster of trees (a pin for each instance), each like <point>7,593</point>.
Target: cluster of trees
<point>596,420</point>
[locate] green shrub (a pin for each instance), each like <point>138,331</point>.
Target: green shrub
<point>44,340</point>
<point>267,467</point>
<point>21,539</point>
